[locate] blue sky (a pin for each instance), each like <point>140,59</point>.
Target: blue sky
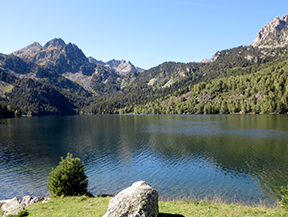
<point>146,32</point>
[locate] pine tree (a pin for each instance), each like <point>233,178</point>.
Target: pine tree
<point>68,178</point>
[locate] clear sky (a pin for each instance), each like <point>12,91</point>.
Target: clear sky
<point>146,32</point>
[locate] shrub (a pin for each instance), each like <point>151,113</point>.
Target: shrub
<point>68,178</point>
<point>284,197</point>
<point>22,213</point>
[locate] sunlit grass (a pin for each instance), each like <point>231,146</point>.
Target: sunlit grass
<point>70,206</point>
<point>5,87</point>
<point>97,206</point>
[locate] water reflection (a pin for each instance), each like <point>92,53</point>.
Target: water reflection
<point>237,156</point>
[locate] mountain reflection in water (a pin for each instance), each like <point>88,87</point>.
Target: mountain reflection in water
<point>237,157</point>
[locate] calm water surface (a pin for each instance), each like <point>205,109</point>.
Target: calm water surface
<point>237,157</point>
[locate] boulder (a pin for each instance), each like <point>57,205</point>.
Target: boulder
<point>12,207</point>
<point>139,200</point>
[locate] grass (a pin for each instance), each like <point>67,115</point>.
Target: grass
<point>204,208</point>
<point>5,87</point>
<point>70,206</point>
<point>97,206</point>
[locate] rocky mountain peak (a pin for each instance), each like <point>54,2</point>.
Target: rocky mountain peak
<point>55,54</point>
<point>74,54</point>
<point>273,34</point>
<point>122,66</point>
<point>28,50</point>
<point>285,18</point>
<point>55,43</point>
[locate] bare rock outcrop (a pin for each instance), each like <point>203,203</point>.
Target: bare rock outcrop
<point>275,33</point>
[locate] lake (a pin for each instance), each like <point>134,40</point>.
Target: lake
<point>237,157</point>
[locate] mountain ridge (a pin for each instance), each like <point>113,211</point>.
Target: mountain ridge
<point>33,76</point>
<point>54,48</point>
<point>120,66</point>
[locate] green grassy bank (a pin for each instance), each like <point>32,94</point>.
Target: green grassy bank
<point>85,206</point>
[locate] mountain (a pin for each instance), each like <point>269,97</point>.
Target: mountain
<point>58,78</point>
<point>55,54</point>
<point>36,90</point>
<point>122,67</point>
<point>150,90</point>
<point>21,68</point>
<point>28,51</point>
<point>274,34</point>
<point>70,62</point>
<point>68,57</point>
<point>262,92</point>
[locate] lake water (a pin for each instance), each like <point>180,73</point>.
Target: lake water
<point>238,157</point>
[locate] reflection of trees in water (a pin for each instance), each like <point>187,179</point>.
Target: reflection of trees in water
<point>265,160</point>
<point>220,141</point>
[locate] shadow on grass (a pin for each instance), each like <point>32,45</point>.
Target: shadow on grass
<point>170,215</point>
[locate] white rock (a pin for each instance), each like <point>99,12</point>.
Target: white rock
<point>139,200</point>
<point>12,207</point>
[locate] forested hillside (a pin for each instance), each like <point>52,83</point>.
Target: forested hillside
<point>265,91</point>
<point>58,78</point>
<point>169,77</point>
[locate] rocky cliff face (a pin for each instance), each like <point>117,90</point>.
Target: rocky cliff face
<point>273,34</point>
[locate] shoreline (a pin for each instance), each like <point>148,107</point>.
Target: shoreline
<point>97,206</point>
<point>210,199</point>
<point>140,114</point>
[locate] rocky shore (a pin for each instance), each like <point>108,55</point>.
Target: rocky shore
<point>14,206</point>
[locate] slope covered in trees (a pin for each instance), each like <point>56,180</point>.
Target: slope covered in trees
<point>264,91</point>
<point>152,84</point>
